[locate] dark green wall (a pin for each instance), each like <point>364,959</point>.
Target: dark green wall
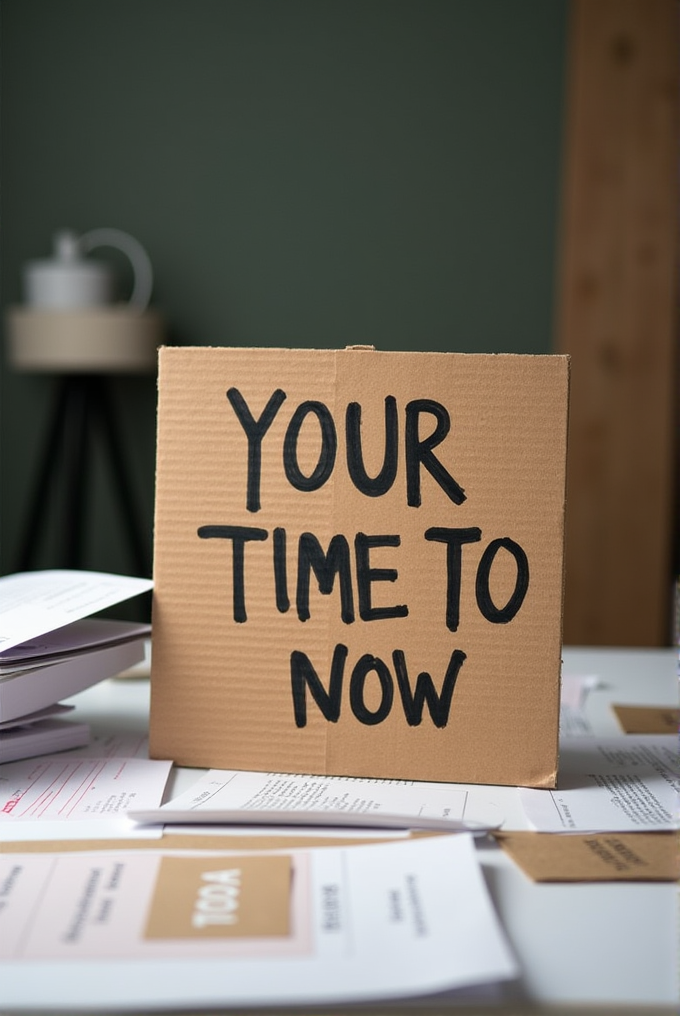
<point>302,172</point>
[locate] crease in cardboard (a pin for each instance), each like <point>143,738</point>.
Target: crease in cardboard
<point>329,649</point>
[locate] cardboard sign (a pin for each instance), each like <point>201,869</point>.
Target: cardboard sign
<point>358,563</point>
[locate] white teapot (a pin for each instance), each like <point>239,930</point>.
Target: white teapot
<point>70,281</point>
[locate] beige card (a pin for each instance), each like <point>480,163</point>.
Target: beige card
<point>595,857</point>
<point>648,719</point>
<point>221,897</point>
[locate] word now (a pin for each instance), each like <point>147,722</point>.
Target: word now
<point>418,452</point>
<point>336,561</point>
<point>303,676</point>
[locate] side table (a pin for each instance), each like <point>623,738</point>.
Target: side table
<point>83,348</point>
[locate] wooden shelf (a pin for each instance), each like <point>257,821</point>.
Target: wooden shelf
<point>618,319</point>
<point>108,340</point>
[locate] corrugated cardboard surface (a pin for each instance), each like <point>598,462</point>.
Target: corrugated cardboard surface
<point>221,687</point>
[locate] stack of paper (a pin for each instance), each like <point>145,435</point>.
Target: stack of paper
<point>210,928</point>
<point>93,913</point>
<point>50,648</point>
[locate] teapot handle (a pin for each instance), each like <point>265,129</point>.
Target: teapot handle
<point>139,259</point>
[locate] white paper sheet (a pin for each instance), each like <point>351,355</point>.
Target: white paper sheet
<point>68,642</point>
<point>232,796</point>
<point>611,784</point>
<point>114,744</point>
<point>361,923</point>
<point>58,709</point>
<point>47,735</point>
<point>33,603</point>
<point>68,797</point>
<point>44,737</point>
<point>575,690</point>
<point>24,693</point>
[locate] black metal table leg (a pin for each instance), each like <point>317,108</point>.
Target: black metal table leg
<point>83,414</point>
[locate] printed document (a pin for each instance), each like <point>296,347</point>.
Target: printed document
<point>611,784</point>
<point>34,603</point>
<point>233,796</point>
<point>64,796</point>
<point>188,929</point>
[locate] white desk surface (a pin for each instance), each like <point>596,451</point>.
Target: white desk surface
<point>603,947</point>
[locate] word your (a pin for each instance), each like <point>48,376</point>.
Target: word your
<point>418,452</point>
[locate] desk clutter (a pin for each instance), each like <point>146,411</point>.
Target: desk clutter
<point>50,649</point>
<point>262,888</point>
<point>355,734</point>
